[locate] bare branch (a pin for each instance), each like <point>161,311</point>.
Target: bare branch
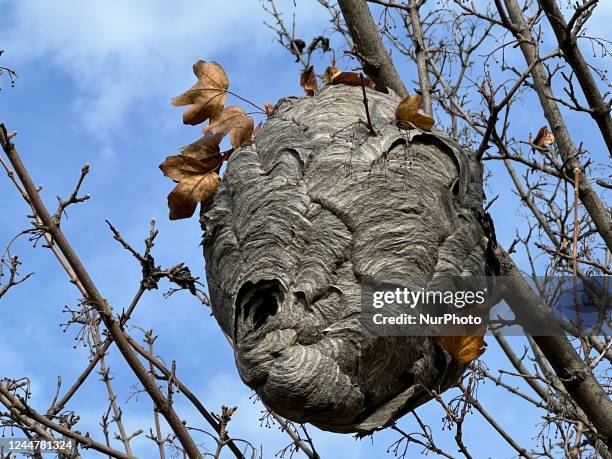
<point>375,59</point>
<point>567,36</point>
<point>93,295</point>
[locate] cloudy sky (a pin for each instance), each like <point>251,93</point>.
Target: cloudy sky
<point>95,80</point>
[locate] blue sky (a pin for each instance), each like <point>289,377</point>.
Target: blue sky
<point>95,81</point>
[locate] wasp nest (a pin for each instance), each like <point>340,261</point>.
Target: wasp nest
<point>313,206</point>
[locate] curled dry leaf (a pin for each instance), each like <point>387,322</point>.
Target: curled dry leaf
<point>196,180</point>
<point>464,349</point>
<point>543,138</point>
<point>203,148</point>
<point>331,72</point>
<point>308,81</point>
<point>179,166</point>
<point>234,121</point>
<point>269,108</point>
<point>352,79</point>
<point>297,46</point>
<point>408,112</point>
<point>206,97</point>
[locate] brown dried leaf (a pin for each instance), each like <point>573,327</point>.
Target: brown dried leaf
<point>464,349</point>
<point>331,72</point>
<point>269,108</point>
<point>543,138</point>
<point>234,121</point>
<point>184,199</point>
<point>308,81</point>
<point>207,97</point>
<point>196,182</point>
<point>408,112</point>
<point>352,79</point>
<point>178,167</point>
<point>203,148</point>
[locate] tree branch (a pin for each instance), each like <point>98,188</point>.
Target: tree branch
<point>97,301</point>
<point>600,111</point>
<point>420,52</point>
<point>589,198</point>
<point>574,373</point>
<point>370,49</point>
<point>34,421</point>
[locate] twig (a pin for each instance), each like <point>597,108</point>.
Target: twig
<point>366,105</point>
<point>505,435</point>
<point>97,301</point>
<point>74,198</point>
<point>30,417</point>
<point>184,390</point>
<point>100,351</point>
<point>576,223</point>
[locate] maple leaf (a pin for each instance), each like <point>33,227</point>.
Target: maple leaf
<point>464,349</point>
<point>206,97</point>
<point>330,73</point>
<point>408,112</point>
<point>308,81</point>
<point>234,121</point>
<point>204,147</point>
<point>543,138</point>
<point>196,180</point>
<point>352,79</point>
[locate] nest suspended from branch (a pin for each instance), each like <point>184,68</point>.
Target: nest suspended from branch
<point>311,207</point>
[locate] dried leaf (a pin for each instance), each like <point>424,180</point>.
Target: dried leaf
<point>543,138</point>
<point>319,41</point>
<point>203,148</point>
<point>234,121</point>
<point>196,182</point>
<point>207,97</point>
<point>331,72</point>
<point>297,47</point>
<point>408,106</point>
<point>352,79</point>
<point>464,349</point>
<point>178,167</point>
<point>184,199</point>
<point>308,81</point>
<point>408,112</point>
<point>269,108</point>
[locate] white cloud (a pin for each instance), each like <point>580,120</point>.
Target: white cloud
<point>121,53</point>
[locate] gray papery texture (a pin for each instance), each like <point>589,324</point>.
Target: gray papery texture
<point>312,206</point>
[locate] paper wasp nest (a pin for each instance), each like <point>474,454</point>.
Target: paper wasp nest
<point>311,207</point>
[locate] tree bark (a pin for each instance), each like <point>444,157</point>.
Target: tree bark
<point>371,51</point>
